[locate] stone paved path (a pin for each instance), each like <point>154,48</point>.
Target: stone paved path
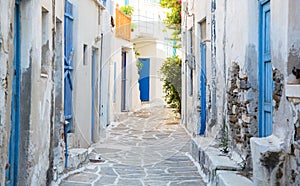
<point>148,149</point>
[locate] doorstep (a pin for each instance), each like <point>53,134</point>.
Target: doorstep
<point>215,165</point>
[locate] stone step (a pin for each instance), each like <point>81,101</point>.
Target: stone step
<point>211,161</point>
<point>77,156</point>
<point>231,178</point>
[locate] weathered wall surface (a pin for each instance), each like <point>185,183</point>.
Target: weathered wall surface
<point>240,65</point>
<point>6,58</point>
<point>36,90</point>
<point>235,72</point>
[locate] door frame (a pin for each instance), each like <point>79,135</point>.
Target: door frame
<point>265,74</point>
<point>11,174</point>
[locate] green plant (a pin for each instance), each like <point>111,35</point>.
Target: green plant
<point>127,9</point>
<point>224,139</point>
<point>171,71</point>
<point>139,65</point>
<point>173,19</point>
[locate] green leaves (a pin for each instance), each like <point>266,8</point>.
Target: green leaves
<point>127,9</point>
<point>173,17</point>
<point>171,70</point>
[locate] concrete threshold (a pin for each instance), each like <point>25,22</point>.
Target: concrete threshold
<point>218,168</point>
<point>77,157</point>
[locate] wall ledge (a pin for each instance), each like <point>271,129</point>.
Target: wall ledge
<point>292,90</point>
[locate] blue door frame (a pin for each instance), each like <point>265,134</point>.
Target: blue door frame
<point>265,71</point>
<point>93,93</point>
<point>13,149</point>
<point>124,76</point>
<point>203,88</point>
<point>68,68</point>
<point>144,80</point>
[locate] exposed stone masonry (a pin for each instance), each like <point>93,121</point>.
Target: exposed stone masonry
<point>240,119</point>
<point>278,88</point>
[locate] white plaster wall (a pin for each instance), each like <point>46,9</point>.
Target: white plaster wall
<point>200,10</point>
<point>132,92</point>
<point>280,47</point>
<point>85,31</point>
<point>35,120</point>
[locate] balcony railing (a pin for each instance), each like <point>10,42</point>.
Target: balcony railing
<point>123,25</point>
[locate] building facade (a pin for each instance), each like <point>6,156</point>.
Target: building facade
<point>240,84</point>
<point>54,69</point>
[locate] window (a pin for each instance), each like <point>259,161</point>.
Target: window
<point>84,54</point>
<point>190,41</point>
<point>45,48</point>
<point>203,30</point>
<point>190,59</point>
<point>99,16</point>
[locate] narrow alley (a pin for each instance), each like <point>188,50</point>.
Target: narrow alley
<point>149,148</point>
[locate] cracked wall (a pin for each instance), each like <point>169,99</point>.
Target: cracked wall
<point>6,57</point>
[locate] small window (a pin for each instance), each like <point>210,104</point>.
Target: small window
<point>45,48</point>
<point>84,54</point>
<point>190,41</point>
<point>99,15</point>
<point>191,83</point>
<point>203,30</point>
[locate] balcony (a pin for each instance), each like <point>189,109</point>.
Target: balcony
<point>123,25</point>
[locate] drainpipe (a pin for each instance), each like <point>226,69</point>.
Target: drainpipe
<point>213,62</point>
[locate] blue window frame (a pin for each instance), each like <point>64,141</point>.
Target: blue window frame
<point>265,71</point>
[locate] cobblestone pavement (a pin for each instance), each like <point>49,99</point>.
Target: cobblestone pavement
<point>148,149</point>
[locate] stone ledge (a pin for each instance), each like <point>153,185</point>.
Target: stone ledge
<point>268,156</point>
<point>212,160</point>
<point>231,178</point>
<point>77,156</point>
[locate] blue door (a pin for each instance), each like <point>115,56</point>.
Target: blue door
<point>68,68</point>
<point>123,88</point>
<point>13,149</point>
<point>68,64</point>
<point>93,93</point>
<point>144,80</point>
<point>203,88</point>
<point>265,72</point>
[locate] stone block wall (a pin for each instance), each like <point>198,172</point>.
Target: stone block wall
<point>241,116</point>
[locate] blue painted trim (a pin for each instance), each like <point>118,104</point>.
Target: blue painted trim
<point>126,2</point>
<point>264,124</point>
<point>144,79</point>
<point>11,173</point>
<point>203,89</point>
<point>68,50</point>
